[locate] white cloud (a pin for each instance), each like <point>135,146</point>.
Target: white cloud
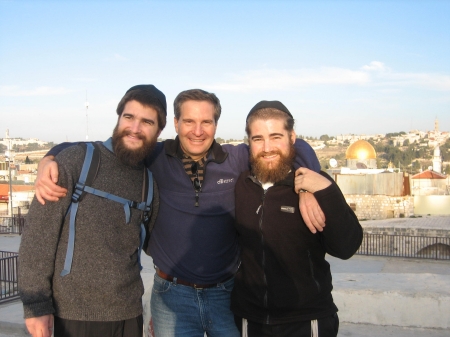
<point>375,73</point>
<point>272,79</point>
<point>375,66</point>
<point>429,81</point>
<point>14,90</point>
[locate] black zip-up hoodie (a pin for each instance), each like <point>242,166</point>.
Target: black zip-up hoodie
<point>284,276</point>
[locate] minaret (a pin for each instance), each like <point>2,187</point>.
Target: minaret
<point>436,126</point>
<point>437,160</point>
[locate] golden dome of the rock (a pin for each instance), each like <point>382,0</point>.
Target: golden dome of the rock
<point>361,150</point>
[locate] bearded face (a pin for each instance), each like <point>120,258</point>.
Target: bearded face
<point>274,170</point>
<point>131,156</point>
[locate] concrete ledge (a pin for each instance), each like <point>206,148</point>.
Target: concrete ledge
<point>13,329</point>
<point>404,300</point>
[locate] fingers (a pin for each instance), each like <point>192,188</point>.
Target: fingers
<point>305,216</point>
<point>54,173</point>
<point>46,189</point>
<point>37,193</point>
<point>50,325</point>
<point>312,214</point>
<point>301,170</point>
<point>45,184</point>
<point>310,181</point>
<point>40,326</point>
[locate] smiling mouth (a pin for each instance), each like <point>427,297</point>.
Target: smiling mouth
<point>269,155</point>
<point>134,138</point>
<point>196,140</point>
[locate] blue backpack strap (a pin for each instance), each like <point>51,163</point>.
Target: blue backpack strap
<point>145,218</point>
<point>88,173</point>
<point>127,204</point>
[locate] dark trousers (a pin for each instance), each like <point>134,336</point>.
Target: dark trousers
<point>328,327</point>
<point>127,328</point>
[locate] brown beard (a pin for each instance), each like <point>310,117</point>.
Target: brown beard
<point>127,156</point>
<point>274,174</point>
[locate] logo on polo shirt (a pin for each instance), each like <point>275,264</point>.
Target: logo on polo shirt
<point>225,181</point>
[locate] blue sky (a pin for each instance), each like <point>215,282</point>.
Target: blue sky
<point>360,67</point>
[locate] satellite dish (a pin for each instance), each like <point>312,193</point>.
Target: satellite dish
<point>333,162</point>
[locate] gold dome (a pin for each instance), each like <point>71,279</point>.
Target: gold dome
<point>361,150</point>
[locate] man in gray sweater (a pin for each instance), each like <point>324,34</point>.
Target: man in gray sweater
<point>99,294</point>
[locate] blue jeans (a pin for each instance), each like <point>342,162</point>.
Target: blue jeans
<point>182,311</point>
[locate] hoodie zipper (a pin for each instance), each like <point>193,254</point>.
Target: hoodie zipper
<point>263,262</point>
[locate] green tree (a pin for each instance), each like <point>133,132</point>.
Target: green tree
<point>447,169</point>
<point>415,166</point>
<point>28,160</point>
<point>49,145</point>
<point>32,147</point>
<point>445,151</point>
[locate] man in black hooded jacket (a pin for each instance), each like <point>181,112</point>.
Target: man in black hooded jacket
<point>283,286</point>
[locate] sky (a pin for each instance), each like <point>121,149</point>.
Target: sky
<point>359,67</point>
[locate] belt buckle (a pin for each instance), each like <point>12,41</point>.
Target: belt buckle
<point>197,287</point>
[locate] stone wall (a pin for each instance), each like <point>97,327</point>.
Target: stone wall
<point>378,207</point>
<point>406,231</point>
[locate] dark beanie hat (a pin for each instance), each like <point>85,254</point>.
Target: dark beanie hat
<point>154,92</point>
<point>269,104</point>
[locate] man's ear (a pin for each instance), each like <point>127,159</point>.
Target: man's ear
<point>293,137</point>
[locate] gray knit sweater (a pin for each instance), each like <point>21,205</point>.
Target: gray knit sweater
<point>104,283</point>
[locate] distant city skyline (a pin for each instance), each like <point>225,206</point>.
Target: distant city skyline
<point>339,137</point>
<point>341,67</point>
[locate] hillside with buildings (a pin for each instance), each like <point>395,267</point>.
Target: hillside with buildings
<point>411,152</point>
<point>406,153</point>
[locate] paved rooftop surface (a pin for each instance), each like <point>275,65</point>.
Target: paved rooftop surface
<point>426,221</point>
<point>384,274</point>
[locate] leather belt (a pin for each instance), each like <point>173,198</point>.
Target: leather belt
<point>170,278</point>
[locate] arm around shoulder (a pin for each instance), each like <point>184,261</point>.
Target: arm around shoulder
<point>305,156</point>
<point>47,177</point>
<point>343,234</point>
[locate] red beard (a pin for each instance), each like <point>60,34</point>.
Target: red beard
<point>277,170</point>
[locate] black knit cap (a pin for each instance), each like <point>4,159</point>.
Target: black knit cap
<point>154,92</point>
<point>269,104</point>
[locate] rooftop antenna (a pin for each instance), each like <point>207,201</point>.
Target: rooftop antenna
<point>86,104</point>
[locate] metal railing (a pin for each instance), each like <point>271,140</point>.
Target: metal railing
<point>12,225</point>
<point>421,247</point>
<point>8,276</point>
